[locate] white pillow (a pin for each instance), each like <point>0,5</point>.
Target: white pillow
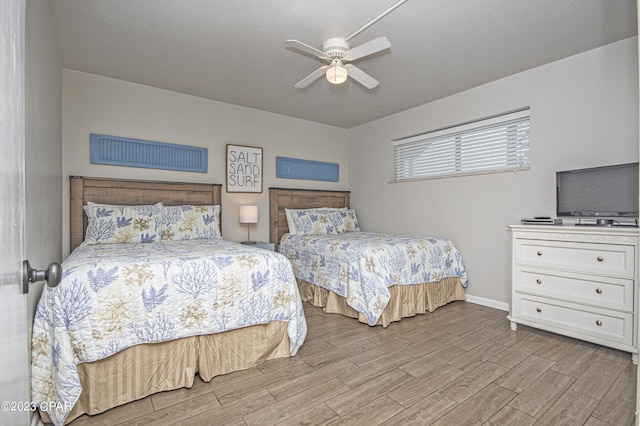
<point>291,223</point>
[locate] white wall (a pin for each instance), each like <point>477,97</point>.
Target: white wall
<point>584,112</point>
<point>95,104</point>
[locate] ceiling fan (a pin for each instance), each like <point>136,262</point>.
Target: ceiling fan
<point>337,51</point>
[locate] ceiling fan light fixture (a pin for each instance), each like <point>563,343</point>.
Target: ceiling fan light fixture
<point>337,73</point>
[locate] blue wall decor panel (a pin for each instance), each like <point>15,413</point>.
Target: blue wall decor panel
<point>117,151</point>
<point>294,168</point>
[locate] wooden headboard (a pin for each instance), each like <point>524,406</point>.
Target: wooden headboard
<point>133,192</point>
<point>287,198</point>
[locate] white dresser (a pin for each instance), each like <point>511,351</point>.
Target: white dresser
<point>579,281</point>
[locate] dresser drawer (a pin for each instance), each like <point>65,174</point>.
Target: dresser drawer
<point>599,323</point>
<point>603,292</point>
<point>609,259</point>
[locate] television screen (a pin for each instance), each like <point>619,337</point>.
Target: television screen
<point>609,191</point>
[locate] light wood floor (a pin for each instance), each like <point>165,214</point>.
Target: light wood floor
<point>459,365</point>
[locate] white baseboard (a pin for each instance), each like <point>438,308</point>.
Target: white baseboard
<point>488,302</point>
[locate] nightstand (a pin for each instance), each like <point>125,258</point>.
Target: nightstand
<point>260,244</point>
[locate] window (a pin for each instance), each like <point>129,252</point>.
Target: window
<point>491,145</point>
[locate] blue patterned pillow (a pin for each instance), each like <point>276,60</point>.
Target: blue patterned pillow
<point>313,222</point>
<point>290,212</point>
<point>190,222</point>
<point>110,224</point>
<point>345,221</point>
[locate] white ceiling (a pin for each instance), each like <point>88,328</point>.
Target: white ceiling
<point>233,51</point>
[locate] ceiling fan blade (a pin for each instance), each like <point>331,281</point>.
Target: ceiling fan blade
<point>311,77</point>
<point>368,48</point>
<point>298,45</point>
<point>362,77</point>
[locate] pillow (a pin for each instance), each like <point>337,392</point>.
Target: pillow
<point>190,222</point>
<point>313,222</point>
<point>110,224</point>
<point>345,221</point>
<point>289,214</point>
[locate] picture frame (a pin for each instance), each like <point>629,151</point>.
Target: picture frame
<point>244,168</point>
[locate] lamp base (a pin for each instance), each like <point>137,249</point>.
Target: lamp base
<point>248,242</point>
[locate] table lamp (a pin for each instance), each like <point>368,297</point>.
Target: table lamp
<point>248,215</point>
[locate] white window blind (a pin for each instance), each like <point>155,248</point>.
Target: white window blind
<point>496,144</point>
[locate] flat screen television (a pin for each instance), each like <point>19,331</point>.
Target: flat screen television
<point>598,192</point>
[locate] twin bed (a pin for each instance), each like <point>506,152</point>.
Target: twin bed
<point>376,278</point>
<point>151,294</point>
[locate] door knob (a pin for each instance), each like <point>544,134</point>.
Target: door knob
<point>52,275</point>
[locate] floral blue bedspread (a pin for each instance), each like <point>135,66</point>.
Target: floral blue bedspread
<point>114,296</point>
<point>360,266</point>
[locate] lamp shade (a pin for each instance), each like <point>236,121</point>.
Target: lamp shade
<point>248,214</point>
<point>336,74</point>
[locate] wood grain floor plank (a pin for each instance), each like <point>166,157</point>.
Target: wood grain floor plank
<point>297,404</point>
<point>525,373</point>
<point>511,356</point>
<point>175,413</point>
<point>118,415</point>
<point>432,361</point>
<point>479,408</point>
<point>471,359</point>
<point>613,356</point>
<point>556,348</point>
<point>474,338</point>
<point>233,411</point>
<point>424,412</point>
<point>536,398</point>
<point>616,407</point>
<point>372,414</point>
<point>319,415</point>
<point>361,376</point>
<point>319,360</point>
<point>287,388</point>
<point>379,352</point>
<point>233,390</point>
<point>570,409</point>
<point>509,416</point>
<point>597,422</point>
<point>597,379</point>
<point>426,343</point>
<point>362,394</point>
<point>419,388</point>
<point>575,362</point>
<point>473,381</point>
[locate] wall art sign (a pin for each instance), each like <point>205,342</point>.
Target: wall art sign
<point>244,168</point>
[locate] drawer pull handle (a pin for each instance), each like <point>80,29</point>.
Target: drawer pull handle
<point>599,290</point>
<point>539,281</point>
<point>538,310</point>
<point>600,259</point>
<point>598,323</point>
<point>539,253</point>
